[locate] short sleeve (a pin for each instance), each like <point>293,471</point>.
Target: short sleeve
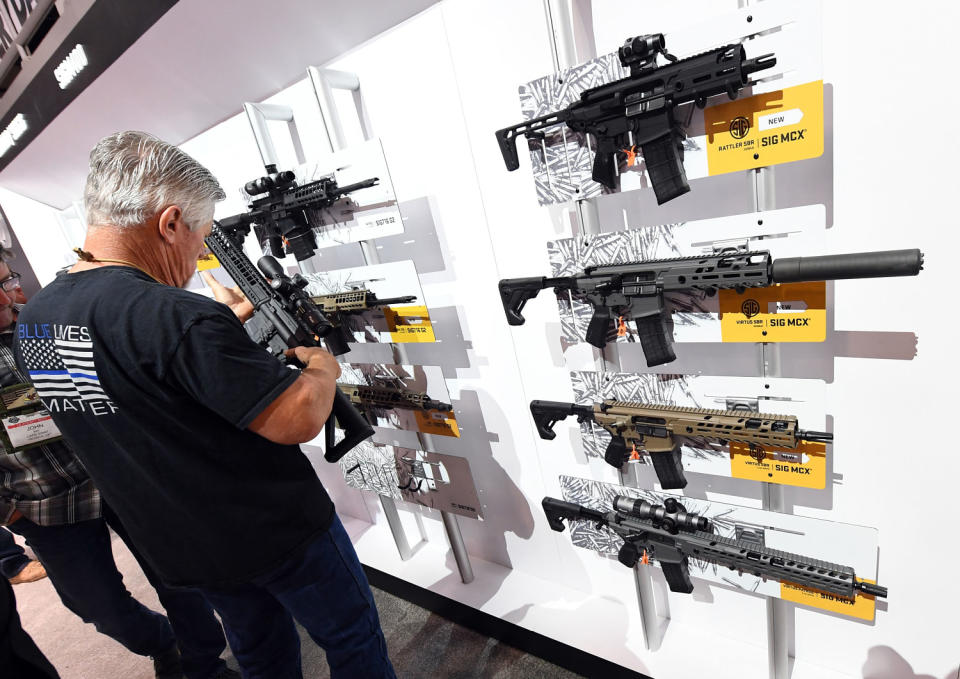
<point>218,364</point>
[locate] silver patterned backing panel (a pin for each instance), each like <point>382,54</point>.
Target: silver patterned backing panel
<point>570,256</point>
<point>433,480</point>
<point>372,467</point>
<point>598,495</point>
<point>593,387</point>
<point>563,159</point>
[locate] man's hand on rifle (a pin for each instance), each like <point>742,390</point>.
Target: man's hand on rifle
<point>315,358</point>
<point>232,297</point>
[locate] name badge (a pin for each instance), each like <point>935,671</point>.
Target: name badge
<point>30,429</point>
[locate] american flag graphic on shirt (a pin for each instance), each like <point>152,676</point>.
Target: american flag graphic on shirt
<point>62,368</point>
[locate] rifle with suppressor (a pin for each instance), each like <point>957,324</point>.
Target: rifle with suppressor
<point>661,430</point>
<point>639,110</point>
<point>284,317</point>
<point>368,397</point>
<point>351,302</point>
<point>278,218</point>
<point>672,536</point>
<point>634,291</point>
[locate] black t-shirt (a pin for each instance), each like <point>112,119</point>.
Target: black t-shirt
<point>154,388</point>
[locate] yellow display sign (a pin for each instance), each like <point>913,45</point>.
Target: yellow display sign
<point>792,312</point>
<point>409,324</point>
<point>437,422</point>
<point>862,606</point>
<point>207,262</point>
<point>806,466</point>
<point>765,129</point>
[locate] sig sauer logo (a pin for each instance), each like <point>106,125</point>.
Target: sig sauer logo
<point>739,127</point>
<point>757,453</point>
<point>750,308</point>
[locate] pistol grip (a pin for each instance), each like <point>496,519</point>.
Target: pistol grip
<point>599,328</point>
<point>605,164</point>
<point>616,454</point>
<point>678,576</point>
<point>664,161</point>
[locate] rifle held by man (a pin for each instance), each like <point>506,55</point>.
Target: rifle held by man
<point>284,317</point>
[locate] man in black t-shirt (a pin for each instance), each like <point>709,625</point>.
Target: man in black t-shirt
<point>188,428</point>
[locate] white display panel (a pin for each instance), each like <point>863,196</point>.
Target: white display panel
<point>490,226</point>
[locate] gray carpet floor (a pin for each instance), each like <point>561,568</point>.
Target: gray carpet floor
<point>422,644</point>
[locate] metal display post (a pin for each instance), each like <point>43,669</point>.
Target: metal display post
<point>324,82</point>
<point>781,614</point>
<point>258,115</point>
<point>561,16</point>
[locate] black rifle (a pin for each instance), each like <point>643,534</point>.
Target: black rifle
<point>672,536</point>
<point>278,218</point>
<point>634,291</point>
<point>639,110</point>
<point>284,317</point>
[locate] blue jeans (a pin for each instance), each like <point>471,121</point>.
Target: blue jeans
<point>326,591</point>
<point>12,557</point>
<point>79,561</point>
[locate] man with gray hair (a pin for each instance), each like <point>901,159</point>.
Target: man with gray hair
<point>190,429</point>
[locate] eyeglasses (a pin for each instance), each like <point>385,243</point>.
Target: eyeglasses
<point>11,282</point>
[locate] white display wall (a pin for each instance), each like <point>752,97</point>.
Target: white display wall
<point>435,89</point>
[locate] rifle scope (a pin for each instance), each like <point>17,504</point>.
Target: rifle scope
<point>273,180</point>
<point>671,516</point>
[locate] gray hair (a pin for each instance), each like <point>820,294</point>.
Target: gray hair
<point>133,176</point>
<point>6,254</point>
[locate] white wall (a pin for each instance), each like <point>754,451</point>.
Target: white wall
<point>436,88</point>
<point>38,229</point>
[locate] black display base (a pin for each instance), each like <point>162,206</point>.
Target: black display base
<point>567,657</point>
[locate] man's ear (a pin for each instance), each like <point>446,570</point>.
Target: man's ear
<point>170,223</point>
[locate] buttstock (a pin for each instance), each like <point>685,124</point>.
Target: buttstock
<point>546,414</point>
<point>514,294</point>
<point>507,140</point>
<point>557,510</point>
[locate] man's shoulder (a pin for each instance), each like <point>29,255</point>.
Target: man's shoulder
<point>121,294</point>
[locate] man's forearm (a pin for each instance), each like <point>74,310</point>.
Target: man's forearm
<point>323,383</point>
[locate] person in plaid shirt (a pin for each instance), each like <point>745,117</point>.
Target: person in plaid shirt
<point>47,497</point>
